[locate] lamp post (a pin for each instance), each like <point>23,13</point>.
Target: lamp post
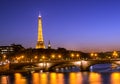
<point>4,57</point>
<point>22,58</point>
<point>72,55</point>
<point>43,58</point>
<point>77,55</point>
<point>59,56</point>
<point>35,57</point>
<point>53,56</point>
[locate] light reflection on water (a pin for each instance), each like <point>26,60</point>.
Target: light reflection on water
<point>75,78</point>
<point>115,78</point>
<point>63,78</point>
<point>43,78</point>
<point>95,78</point>
<point>35,78</point>
<point>4,80</point>
<point>19,79</point>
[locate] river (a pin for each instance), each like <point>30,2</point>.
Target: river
<point>99,74</point>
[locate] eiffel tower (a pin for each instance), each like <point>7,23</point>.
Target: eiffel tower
<point>40,41</point>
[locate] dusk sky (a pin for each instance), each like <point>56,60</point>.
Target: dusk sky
<point>85,25</point>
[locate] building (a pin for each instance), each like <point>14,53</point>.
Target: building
<point>40,40</point>
<point>10,49</point>
<point>6,49</point>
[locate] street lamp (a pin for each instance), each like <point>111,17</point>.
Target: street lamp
<point>77,55</point>
<point>91,54</point>
<point>95,54</point>
<point>53,56</point>
<point>22,56</point>
<point>35,57</point>
<point>43,57</point>
<point>72,55</point>
<point>4,57</point>
<point>59,56</point>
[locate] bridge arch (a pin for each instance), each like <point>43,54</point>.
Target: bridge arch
<point>50,65</point>
<point>61,65</point>
<point>86,64</point>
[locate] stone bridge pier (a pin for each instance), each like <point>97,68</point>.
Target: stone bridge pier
<point>85,65</point>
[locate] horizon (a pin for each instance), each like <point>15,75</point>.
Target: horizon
<point>88,26</point>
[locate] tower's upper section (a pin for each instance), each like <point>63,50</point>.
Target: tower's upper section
<point>40,35</point>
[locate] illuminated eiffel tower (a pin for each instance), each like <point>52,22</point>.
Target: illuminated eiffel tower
<point>40,41</point>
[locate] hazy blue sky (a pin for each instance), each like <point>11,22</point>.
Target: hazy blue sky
<point>85,25</point>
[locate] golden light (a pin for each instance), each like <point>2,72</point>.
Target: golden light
<point>72,55</point>
<point>94,78</point>
<point>53,78</point>
<point>43,78</point>
<point>19,79</point>
<point>115,78</point>
<point>53,56</point>
<point>73,78</point>
<point>91,54</point>
<point>35,57</point>
<point>4,56</point>
<point>35,78</point>
<point>43,57</point>
<point>4,80</point>
<point>95,54</point>
<point>77,55</point>
<point>59,56</point>
<point>22,56</point>
<point>60,77</point>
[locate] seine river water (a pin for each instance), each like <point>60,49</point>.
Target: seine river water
<point>99,74</point>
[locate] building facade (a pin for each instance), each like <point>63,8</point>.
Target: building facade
<point>13,48</point>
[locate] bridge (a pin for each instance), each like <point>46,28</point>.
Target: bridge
<point>84,65</point>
